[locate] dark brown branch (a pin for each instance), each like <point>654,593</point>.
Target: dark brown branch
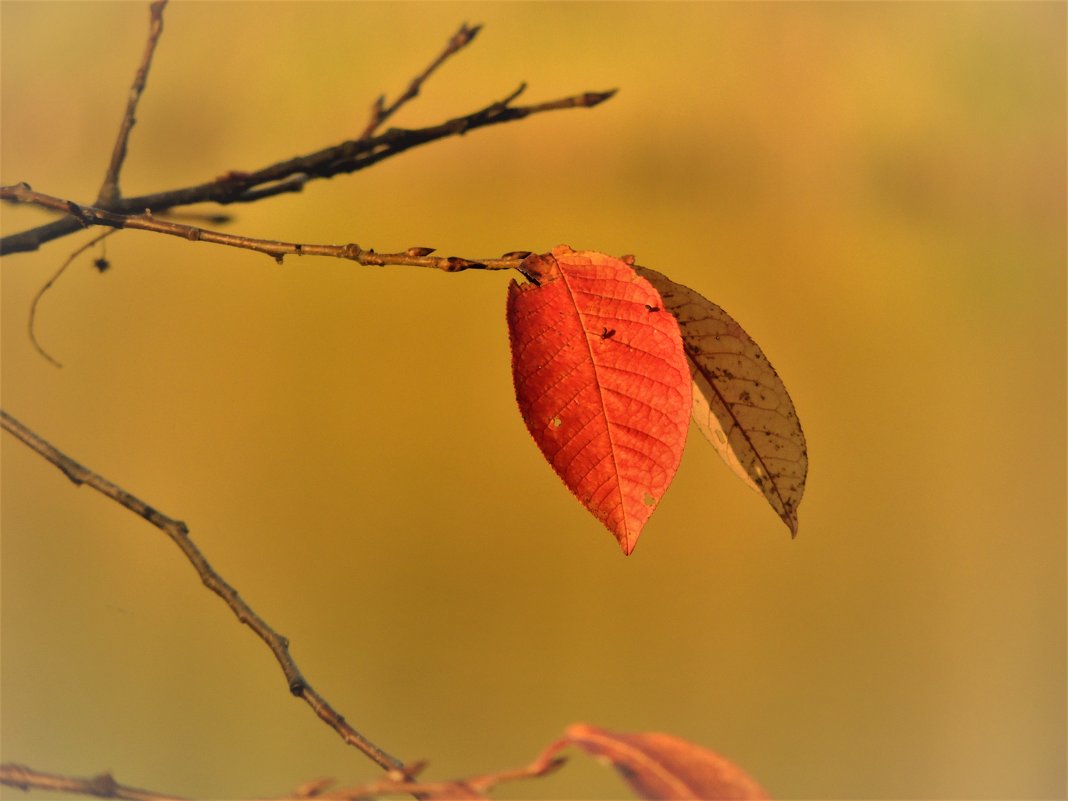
<point>178,532</point>
<point>412,257</point>
<point>109,190</point>
<point>380,112</point>
<point>347,157</point>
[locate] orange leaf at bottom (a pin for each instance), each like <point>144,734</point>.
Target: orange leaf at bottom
<point>660,766</point>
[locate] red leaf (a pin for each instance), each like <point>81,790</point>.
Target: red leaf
<point>659,766</point>
<point>602,382</point>
<point>739,402</point>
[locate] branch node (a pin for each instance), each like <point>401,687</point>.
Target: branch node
<point>77,212</point>
<point>104,785</point>
<point>74,475</point>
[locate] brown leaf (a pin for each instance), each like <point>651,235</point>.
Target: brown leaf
<point>660,766</point>
<point>739,402</point>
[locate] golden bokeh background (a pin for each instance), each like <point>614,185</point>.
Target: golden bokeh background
<point>875,190</point>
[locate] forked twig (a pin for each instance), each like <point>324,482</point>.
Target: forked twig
<point>292,174</point>
<point>178,532</point>
<point>380,112</point>
<point>109,189</point>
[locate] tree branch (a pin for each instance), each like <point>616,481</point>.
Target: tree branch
<point>412,257</point>
<point>292,174</point>
<point>109,189</point>
<point>475,787</point>
<point>178,532</point>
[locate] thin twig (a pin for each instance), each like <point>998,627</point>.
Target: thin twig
<point>178,532</point>
<point>48,285</point>
<point>101,786</point>
<point>412,257</point>
<point>380,112</point>
<point>109,189</point>
<point>347,157</point>
<point>475,787</point>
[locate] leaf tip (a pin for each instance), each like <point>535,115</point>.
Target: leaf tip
<point>628,537</point>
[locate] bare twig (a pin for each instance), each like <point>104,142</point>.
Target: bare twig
<point>380,112</point>
<point>109,189</point>
<point>412,257</point>
<point>101,786</point>
<point>48,285</point>
<point>178,532</point>
<point>475,787</point>
<point>291,175</point>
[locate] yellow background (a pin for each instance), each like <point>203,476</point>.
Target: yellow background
<point>875,191</point>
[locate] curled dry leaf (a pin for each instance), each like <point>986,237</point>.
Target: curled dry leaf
<point>739,402</point>
<point>602,383</point>
<point>660,766</point>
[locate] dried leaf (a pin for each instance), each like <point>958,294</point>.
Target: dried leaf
<point>601,382</point>
<point>660,766</point>
<point>739,402</point>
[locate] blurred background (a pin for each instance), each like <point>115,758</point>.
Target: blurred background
<point>876,191</point>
